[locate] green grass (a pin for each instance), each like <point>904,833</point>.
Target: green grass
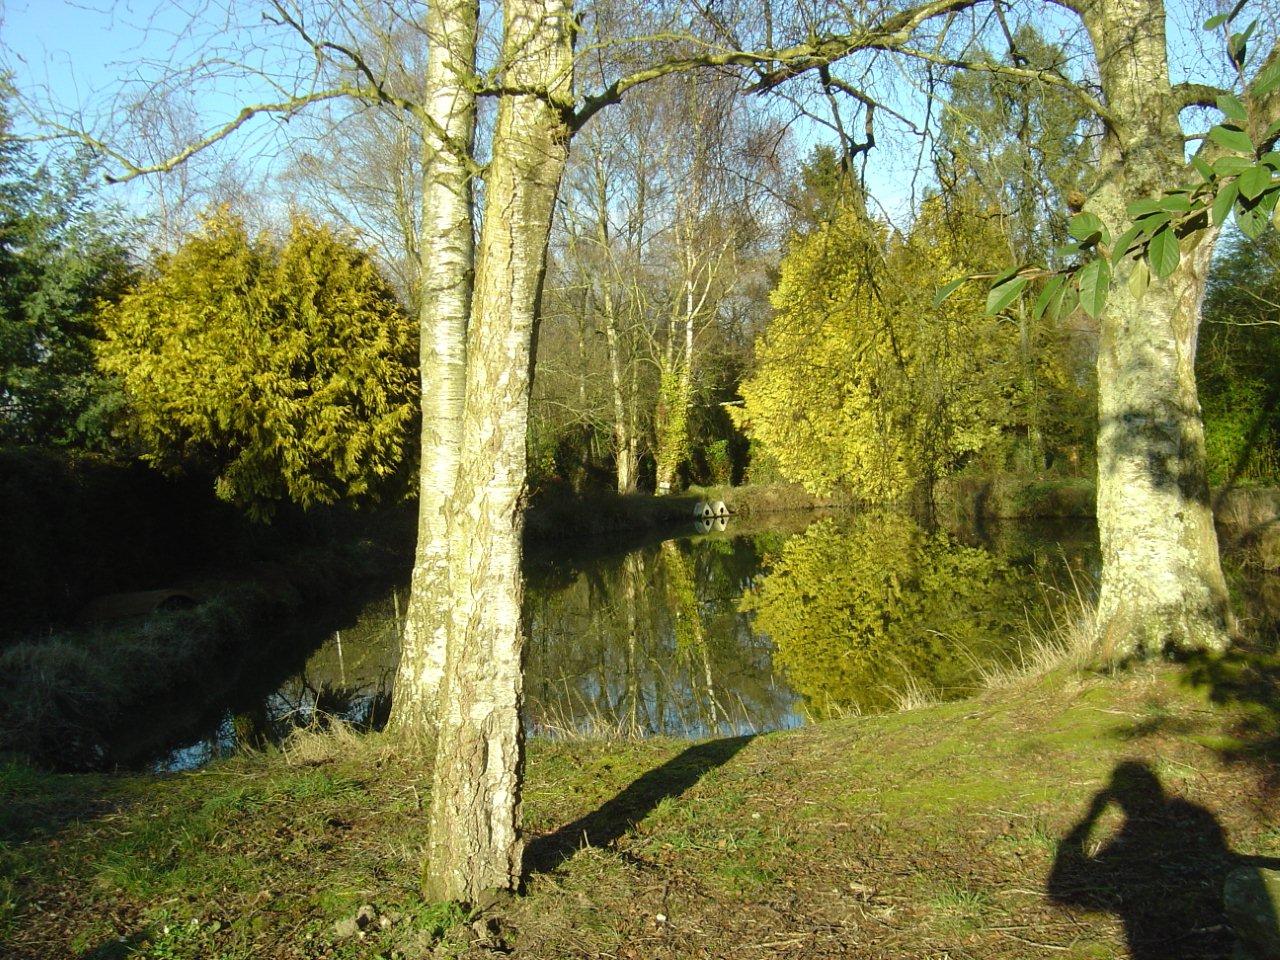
<point>925,833</point>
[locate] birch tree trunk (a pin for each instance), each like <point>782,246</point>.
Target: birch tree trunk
<point>1162,583</point>
<point>446,276</point>
<point>475,843</point>
<point>623,443</point>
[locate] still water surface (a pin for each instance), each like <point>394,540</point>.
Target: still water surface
<point>725,629</point>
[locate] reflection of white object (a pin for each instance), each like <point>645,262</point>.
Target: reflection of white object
<point>703,510</point>
<point>722,523</point>
<point>719,509</point>
<point>703,524</point>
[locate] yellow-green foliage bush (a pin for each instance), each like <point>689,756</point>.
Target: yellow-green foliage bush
<point>860,381</point>
<point>287,370</point>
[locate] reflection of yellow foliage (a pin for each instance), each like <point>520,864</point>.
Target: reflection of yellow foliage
<point>860,381</point>
<point>857,612</point>
<point>682,597</point>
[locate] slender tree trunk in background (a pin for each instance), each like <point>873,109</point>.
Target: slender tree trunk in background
<point>624,462</point>
<point>475,843</point>
<point>1034,455</point>
<point>446,277</point>
<point>1162,583</point>
<point>623,441</point>
<point>584,463</point>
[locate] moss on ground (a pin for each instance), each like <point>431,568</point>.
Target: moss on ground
<point>926,834</point>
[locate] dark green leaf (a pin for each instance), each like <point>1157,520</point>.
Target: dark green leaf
<point>947,290</point>
<point>1232,108</point>
<point>1142,207</point>
<point>1232,138</point>
<point>1202,168</point>
<point>1003,295</point>
<point>1175,202</point>
<point>1238,43</point>
<point>1086,228</point>
<point>1252,220</point>
<point>1272,159</point>
<point>1122,245</point>
<point>1163,254</point>
<point>1154,221</point>
<point>1094,282</point>
<point>1268,79</point>
<point>1255,180</point>
<point>1231,166</point>
<point>1052,290</point>
<point>1004,275</point>
<point>1223,201</point>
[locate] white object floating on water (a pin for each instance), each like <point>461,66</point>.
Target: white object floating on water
<point>703,510</point>
<point>718,509</point>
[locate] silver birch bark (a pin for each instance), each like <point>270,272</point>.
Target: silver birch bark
<point>475,843</point>
<point>1162,582</point>
<point>624,466</point>
<point>624,463</point>
<point>447,253</point>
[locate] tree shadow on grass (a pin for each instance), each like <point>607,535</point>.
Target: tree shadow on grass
<point>1245,679</point>
<point>1162,872</point>
<point>614,819</point>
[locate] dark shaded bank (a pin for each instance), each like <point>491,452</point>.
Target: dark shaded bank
<point>1246,511</point>
<point>122,693</point>
<point>1008,496</point>
<point>134,609</point>
<point>77,527</point>
<point>558,513</point>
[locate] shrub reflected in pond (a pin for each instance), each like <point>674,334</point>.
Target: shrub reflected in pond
<point>866,613</point>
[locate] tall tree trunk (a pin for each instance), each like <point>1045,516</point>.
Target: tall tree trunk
<point>475,842</point>
<point>447,252</point>
<point>1162,583</point>
<point>623,442</point>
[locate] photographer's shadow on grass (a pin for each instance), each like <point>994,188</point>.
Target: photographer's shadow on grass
<point>1161,872</point>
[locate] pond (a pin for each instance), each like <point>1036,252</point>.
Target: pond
<point>727,628</point>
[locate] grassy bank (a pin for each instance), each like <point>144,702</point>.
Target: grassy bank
<point>936,832</point>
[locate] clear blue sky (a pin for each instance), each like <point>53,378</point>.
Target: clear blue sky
<point>78,52</point>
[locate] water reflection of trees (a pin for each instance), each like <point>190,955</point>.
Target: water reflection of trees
<point>346,678</point>
<point>652,642</point>
<point>864,610</point>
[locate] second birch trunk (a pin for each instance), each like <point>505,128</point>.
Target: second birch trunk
<point>475,843</point>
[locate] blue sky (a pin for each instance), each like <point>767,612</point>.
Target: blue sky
<point>77,53</point>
